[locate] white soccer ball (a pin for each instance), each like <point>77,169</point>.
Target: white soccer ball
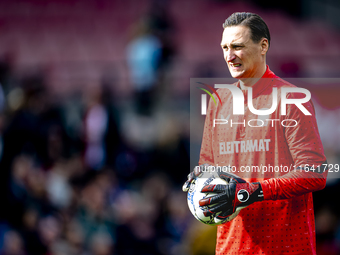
<point>195,195</point>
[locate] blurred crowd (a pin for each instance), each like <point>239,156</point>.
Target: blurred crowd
<point>77,177</point>
<point>87,175</point>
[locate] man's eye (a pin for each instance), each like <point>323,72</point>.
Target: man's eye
<point>237,47</point>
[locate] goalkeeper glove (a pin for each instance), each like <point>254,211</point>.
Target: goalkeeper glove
<point>236,194</point>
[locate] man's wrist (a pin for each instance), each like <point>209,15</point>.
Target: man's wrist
<point>258,194</point>
<point>266,190</point>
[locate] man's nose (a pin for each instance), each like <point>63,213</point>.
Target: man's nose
<point>230,56</point>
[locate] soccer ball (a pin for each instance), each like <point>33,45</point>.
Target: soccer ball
<point>195,194</point>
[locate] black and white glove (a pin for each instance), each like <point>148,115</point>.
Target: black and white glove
<point>237,193</point>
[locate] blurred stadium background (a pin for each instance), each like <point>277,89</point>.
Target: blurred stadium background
<point>94,118</point>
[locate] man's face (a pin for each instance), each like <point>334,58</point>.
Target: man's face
<point>243,56</point>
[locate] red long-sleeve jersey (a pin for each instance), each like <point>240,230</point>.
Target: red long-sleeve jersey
<point>267,149</point>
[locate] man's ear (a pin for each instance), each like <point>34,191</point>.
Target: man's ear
<point>264,46</point>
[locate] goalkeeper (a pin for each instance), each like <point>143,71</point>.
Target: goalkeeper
<point>279,217</point>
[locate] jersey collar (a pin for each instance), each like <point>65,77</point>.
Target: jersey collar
<point>263,83</point>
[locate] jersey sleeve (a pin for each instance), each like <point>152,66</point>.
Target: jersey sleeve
<point>206,154</point>
<point>306,150</point>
